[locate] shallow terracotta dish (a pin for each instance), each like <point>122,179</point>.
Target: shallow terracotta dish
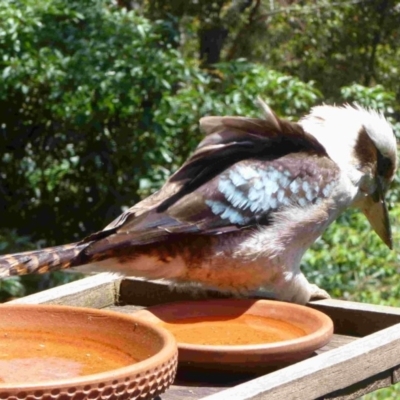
<point>58,352</point>
<point>241,335</point>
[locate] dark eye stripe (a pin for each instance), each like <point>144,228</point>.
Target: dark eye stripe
<point>385,166</point>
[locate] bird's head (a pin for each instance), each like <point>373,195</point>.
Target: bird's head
<point>363,145</point>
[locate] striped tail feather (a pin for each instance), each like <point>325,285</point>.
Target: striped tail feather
<point>40,261</point>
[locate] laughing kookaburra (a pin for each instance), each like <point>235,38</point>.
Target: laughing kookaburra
<point>242,210</point>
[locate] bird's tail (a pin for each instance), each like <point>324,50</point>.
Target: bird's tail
<point>41,261</point>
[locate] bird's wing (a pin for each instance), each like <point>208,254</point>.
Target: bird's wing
<point>228,140</point>
<point>241,172</point>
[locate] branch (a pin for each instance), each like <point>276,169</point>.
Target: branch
<point>382,10</point>
<point>306,9</point>
<point>250,21</point>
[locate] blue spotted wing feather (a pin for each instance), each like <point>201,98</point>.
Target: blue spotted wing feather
<point>253,190</point>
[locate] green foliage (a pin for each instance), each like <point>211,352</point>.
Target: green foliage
<point>81,82</point>
<point>376,97</point>
<point>334,43</point>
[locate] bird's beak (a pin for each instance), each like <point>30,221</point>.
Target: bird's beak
<point>376,211</point>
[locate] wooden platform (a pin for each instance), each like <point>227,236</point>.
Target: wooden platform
<point>363,356</point>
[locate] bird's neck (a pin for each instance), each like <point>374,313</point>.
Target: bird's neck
<point>339,141</point>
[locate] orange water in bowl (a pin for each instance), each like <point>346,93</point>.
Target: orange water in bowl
<point>32,356</point>
<point>242,330</point>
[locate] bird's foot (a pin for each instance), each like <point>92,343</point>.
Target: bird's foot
<point>318,294</point>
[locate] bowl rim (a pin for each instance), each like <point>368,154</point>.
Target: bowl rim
<point>322,334</point>
<point>169,347</point>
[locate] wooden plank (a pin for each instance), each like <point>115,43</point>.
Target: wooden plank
<point>97,291</point>
<point>194,385</point>
<point>336,341</point>
<point>149,293</point>
<point>329,372</point>
<point>379,381</point>
<point>177,392</point>
<point>396,374</point>
<point>357,319</point>
<point>125,309</point>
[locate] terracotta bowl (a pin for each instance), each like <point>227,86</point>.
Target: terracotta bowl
<point>241,335</point>
<point>58,352</point>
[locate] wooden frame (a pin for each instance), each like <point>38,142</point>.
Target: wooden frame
<point>363,356</point>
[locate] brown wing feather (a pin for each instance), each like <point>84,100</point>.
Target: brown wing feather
<point>228,140</point>
<point>225,136</point>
